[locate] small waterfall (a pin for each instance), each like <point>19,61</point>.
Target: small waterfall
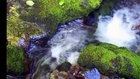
<point>122,28</point>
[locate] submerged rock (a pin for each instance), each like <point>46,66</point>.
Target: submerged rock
<point>64,66</point>
<point>111,60</point>
<point>58,75</point>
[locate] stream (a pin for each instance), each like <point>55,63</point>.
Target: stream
<point>121,29</point>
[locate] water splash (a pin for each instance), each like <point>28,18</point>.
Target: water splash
<point>65,45</point>
<point>119,29</point>
<point>69,40</point>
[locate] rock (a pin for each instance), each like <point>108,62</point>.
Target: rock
<point>115,76</point>
<point>48,17</point>
<point>73,73</point>
<point>76,69</point>
<point>64,66</point>
<point>70,76</point>
<point>137,27</point>
<point>109,59</point>
<point>58,75</point>
<point>105,77</point>
<point>105,8</point>
<point>40,40</point>
<point>28,76</point>
<point>92,74</point>
<point>79,76</point>
<point>29,3</point>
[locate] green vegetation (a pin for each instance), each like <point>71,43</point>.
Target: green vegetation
<point>15,58</point>
<point>17,28</point>
<point>109,59</point>
<point>53,12</point>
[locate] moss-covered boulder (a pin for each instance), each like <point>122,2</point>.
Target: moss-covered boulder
<point>109,46</point>
<point>17,28</point>
<point>110,59</point>
<point>15,58</point>
<point>49,13</point>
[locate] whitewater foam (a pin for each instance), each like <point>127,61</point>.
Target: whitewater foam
<point>68,41</point>
<point>119,29</point>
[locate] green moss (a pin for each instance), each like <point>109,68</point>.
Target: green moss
<point>60,11</point>
<point>108,46</point>
<point>130,63</point>
<point>16,27</point>
<point>15,58</point>
<point>110,59</point>
<point>96,56</point>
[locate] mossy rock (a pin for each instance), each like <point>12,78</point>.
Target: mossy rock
<point>50,13</point>
<point>106,7</point>
<point>109,46</point>
<point>64,66</point>
<point>110,59</point>
<point>17,28</point>
<point>15,58</point>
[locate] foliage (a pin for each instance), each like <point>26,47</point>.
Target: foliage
<point>53,12</point>
<point>16,27</point>
<point>110,59</point>
<point>15,58</point>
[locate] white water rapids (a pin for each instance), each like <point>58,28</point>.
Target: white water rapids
<point>119,29</point>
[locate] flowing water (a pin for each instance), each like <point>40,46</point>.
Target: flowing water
<point>122,28</point>
<point>65,45</point>
<point>70,38</point>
